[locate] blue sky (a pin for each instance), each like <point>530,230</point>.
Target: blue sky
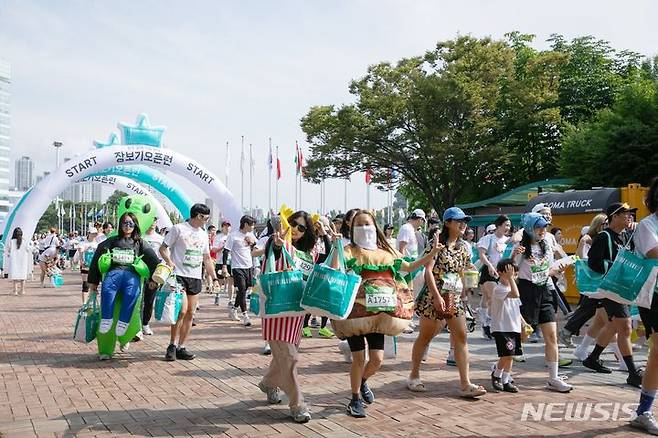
<point>212,71</point>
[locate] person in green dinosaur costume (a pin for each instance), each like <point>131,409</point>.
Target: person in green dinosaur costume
<point>123,262</point>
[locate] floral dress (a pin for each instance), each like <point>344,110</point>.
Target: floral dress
<point>449,264</point>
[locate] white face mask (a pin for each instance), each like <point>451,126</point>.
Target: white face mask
<point>366,236</point>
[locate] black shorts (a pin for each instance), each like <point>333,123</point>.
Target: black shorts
<point>72,253</point>
<point>191,286</point>
<point>485,276</point>
<point>650,317</point>
<point>242,278</point>
<point>615,309</point>
<point>358,343</point>
<point>537,303</point>
<point>508,344</point>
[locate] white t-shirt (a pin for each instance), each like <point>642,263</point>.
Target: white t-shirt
<point>240,249</point>
<point>646,235</point>
<point>493,246</point>
<point>50,240</point>
<point>505,312</point>
<point>535,268</point>
<point>154,241</point>
<point>188,245</point>
<point>408,234</point>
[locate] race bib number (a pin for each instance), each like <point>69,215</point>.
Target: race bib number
<point>193,258</point>
<point>380,298</point>
<point>539,273</point>
<point>452,283</point>
<point>123,256</point>
<point>304,263</point>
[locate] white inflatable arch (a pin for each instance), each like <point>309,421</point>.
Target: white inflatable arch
<point>97,160</point>
<point>132,188</point>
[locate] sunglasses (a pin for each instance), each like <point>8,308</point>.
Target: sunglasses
<point>128,224</point>
<point>300,227</point>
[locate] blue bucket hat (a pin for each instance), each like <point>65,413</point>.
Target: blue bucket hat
<point>530,221</point>
<point>455,214</point>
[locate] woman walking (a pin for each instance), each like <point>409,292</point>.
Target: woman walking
<point>19,259</point>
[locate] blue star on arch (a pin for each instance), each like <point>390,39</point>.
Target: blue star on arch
<point>141,133</point>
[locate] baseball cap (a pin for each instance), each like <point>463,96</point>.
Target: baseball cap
<point>490,228</point>
<point>417,214</point>
<point>92,230</point>
<point>455,213</point>
<point>539,207</point>
<point>619,207</point>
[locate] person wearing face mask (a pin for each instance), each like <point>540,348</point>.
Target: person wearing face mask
<point>383,305</point>
<point>439,302</point>
<point>535,257</point>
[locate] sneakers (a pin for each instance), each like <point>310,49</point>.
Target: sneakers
<point>510,387</point>
<point>301,415</point>
<point>266,349</point>
<point>519,358</point>
<point>139,336</point>
<point>646,422</point>
<point>314,322</point>
<point>170,355</point>
<point>635,379</point>
<point>356,409</point>
<point>233,314</point>
<point>183,354</point>
<point>564,336</point>
<point>534,338</point>
<point>273,394</point>
<point>426,353</point>
<point>596,365</point>
<point>147,330</point>
<point>366,393</point>
<point>245,320</point>
<point>486,332</point>
<point>450,360</point>
<point>581,352</point>
<point>125,347</point>
<point>104,357</point>
<point>306,332</point>
<point>497,383</point>
<point>562,363</point>
<point>558,385</point>
<point>326,333</point>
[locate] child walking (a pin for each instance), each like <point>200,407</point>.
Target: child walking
<point>506,325</point>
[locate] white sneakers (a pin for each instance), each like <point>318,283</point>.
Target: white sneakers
<point>233,314</point>
<point>558,385</point>
<point>147,330</point>
<point>647,422</point>
<point>245,320</point>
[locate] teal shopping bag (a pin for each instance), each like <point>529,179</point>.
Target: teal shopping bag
<point>168,302</point>
<point>631,278</point>
<point>331,292</point>
<point>587,280</point>
<point>87,321</point>
<point>282,290</point>
<point>254,300</point>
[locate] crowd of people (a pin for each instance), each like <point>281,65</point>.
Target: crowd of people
<point>520,289</point>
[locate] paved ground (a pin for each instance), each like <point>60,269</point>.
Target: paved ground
<point>51,386</point>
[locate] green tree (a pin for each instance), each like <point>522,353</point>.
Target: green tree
<point>433,119</point>
<point>619,145</point>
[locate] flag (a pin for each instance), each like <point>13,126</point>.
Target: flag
<point>301,161</point>
<point>297,163</point>
<point>278,168</point>
<point>270,160</point>
<point>368,176</point>
<point>228,162</point>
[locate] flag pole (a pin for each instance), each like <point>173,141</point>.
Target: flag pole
<point>269,180</point>
<point>296,172</point>
<point>345,195</point>
<point>276,189</point>
<point>301,176</point>
<point>227,164</point>
<point>251,181</point>
<point>242,172</point>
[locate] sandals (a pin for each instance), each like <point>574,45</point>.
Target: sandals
<point>415,385</point>
<point>472,391</point>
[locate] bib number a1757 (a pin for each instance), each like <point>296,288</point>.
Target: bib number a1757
<point>380,298</point>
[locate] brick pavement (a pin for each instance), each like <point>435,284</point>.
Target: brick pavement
<point>52,386</point>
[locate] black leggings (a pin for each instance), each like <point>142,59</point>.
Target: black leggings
<point>242,280</point>
<point>323,324</point>
<point>149,298</point>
